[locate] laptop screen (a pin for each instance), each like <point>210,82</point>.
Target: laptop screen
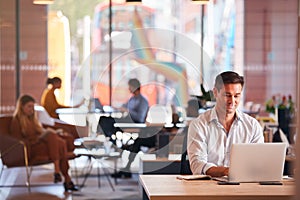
<point>95,105</point>
<point>257,162</point>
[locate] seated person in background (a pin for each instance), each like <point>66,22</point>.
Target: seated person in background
<point>48,99</point>
<point>137,108</point>
<point>39,141</point>
<point>211,135</point>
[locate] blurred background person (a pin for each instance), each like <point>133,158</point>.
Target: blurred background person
<point>136,108</point>
<point>48,99</point>
<point>41,142</point>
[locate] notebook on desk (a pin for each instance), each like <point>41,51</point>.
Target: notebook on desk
<point>256,162</point>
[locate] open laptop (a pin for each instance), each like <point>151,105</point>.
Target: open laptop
<point>95,105</point>
<point>257,162</point>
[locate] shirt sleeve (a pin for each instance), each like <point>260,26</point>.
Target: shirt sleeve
<point>197,149</point>
<point>258,136</point>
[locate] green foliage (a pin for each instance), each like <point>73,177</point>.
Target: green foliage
<point>206,95</point>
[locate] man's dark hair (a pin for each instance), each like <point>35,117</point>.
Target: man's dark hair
<point>134,83</point>
<point>228,77</point>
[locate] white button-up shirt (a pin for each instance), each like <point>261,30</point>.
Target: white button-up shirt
<point>208,143</point>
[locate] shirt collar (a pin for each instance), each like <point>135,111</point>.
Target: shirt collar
<point>214,117</point>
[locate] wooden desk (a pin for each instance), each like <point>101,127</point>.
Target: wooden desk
<point>160,187</point>
<point>79,116</point>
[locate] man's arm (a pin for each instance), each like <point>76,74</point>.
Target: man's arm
<point>197,149</point>
<point>258,136</point>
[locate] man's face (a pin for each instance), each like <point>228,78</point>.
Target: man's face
<point>131,88</point>
<point>228,97</point>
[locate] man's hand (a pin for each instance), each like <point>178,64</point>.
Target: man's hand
<point>217,171</point>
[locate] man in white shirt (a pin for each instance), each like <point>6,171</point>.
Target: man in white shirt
<point>212,133</point>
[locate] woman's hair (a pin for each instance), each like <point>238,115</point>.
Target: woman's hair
<point>228,77</point>
<point>23,119</point>
<point>53,80</point>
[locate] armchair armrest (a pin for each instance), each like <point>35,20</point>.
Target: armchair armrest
<point>76,131</point>
<point>13,152</point>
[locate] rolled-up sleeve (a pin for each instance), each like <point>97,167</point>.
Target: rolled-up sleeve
<point>258,136</point>
<point>197,149</point>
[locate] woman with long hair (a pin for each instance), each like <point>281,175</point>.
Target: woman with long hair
<point>41,142</point>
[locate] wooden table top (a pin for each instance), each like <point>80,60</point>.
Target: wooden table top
<point>169,187</point>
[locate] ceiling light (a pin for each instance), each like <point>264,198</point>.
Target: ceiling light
<point>43,2</point>
<point>200,1</point>
<point>133,1</point>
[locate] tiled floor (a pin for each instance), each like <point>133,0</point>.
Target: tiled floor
<point>43,175</point>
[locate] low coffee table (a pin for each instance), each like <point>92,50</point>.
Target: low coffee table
<point>99,155</point>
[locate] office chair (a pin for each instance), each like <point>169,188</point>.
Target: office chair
<point>185,164</point>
